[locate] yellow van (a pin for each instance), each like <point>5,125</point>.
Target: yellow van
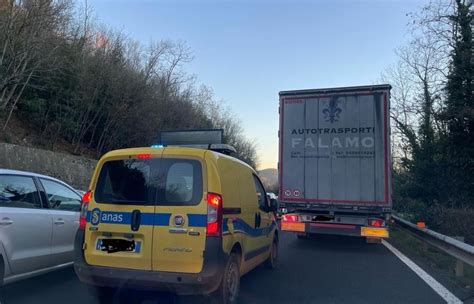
<point>185,220</point>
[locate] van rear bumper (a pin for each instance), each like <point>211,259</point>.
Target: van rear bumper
<point>205,282</point>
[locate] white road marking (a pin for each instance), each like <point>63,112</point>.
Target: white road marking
<point>437,287</point>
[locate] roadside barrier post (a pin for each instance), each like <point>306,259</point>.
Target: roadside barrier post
<point>459,269</point>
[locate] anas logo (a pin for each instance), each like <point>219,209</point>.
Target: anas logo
<point>179,220</point>
<point>95,216</point>
<point>332,111</point>
<point>106,217</point>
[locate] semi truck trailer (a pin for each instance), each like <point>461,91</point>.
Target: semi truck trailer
<point>334,161</point>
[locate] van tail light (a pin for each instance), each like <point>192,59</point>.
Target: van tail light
<point>214,214</point>
<point>144,155</point>
<point>84,209</point>
<point>375,223</point>
<point>290,218</point>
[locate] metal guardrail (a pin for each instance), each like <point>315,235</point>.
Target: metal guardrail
<point>461,251</point>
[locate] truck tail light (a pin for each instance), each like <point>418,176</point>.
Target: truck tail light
<point>290,218</point>
<point>214,214</point>
<point>375,223</point>
<point>84,208</point>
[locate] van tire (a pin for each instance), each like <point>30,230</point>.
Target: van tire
<point>271,262</point>
<point>228,290</point>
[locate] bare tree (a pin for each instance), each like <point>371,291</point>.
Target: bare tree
<point>28,36</point>
<point>419,77</point>
<point>96,88</point>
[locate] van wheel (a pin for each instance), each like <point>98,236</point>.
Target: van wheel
<point>271,262</point>
<point>228,290</point>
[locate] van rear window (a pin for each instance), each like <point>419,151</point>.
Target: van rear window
<point>149,182</point>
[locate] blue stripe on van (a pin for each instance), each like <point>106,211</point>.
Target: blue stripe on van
<point>162,219</point>
<point>147,219</point>
<point>241,226</point>
<point>197,220</point>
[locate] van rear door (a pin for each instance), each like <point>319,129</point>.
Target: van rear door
<point>179,235</point>
<point>119,230</point>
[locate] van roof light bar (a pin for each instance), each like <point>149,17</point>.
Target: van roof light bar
<point>190,137</point>
<point>211,139</point>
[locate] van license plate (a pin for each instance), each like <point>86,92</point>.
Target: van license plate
<point>118,245</point>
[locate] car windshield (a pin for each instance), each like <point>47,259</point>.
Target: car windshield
<point>236,151</point>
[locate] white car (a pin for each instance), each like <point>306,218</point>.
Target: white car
<point>39,217</point>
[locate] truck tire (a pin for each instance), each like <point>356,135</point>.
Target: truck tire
<point>272,260</point>
<point>228,290</point>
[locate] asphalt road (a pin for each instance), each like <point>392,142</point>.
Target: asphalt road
<point>327,269</point>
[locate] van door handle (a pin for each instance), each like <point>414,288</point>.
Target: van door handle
<point>6,221</point>
<point>136,218</point>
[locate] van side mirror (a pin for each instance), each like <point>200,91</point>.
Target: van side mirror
<point>273,205</point>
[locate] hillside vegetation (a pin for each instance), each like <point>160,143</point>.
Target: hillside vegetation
<point>432,114</point>
<point>90,89</point>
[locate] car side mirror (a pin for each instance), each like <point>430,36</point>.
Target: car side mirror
<point>273,205</point>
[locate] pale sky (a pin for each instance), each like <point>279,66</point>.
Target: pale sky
<point>248,51</point>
